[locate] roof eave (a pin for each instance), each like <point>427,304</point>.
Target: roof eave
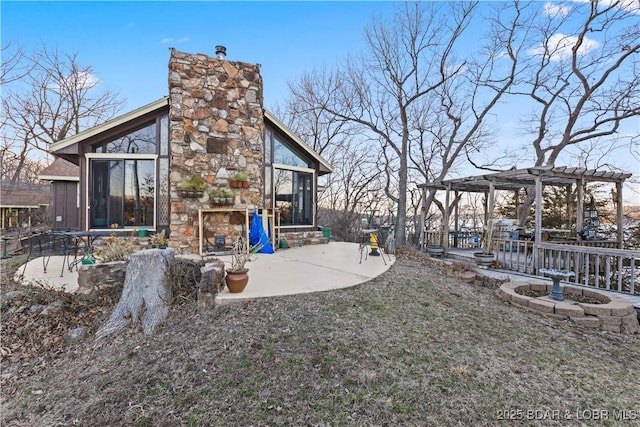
<point>58,178</point>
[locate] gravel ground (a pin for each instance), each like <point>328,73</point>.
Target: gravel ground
<point>416,346</point>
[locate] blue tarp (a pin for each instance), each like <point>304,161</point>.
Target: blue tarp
<point>258,237</point>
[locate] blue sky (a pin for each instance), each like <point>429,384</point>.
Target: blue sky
<point>127,43</point>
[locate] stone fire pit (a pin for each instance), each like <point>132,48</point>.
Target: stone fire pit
<point>611,314</point>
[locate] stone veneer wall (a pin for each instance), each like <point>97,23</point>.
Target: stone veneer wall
<point>216,128</point>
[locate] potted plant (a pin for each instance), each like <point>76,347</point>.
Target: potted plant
<point>227,196</point>
<point>237,276</point>
<point>239,180</point>
<point>159,240</point>
<point>221,197</point>
<point>193,187</point>
<point>435,250</point>
<point>486,257</point>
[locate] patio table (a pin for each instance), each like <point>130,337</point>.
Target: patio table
<point>81,240</point>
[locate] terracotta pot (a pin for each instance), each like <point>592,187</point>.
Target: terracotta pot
<point>244,184</point>
<point>237,280</point>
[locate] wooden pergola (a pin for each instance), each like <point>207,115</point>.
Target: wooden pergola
<point>537,177</point>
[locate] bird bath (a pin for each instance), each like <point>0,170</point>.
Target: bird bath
<point>556,275</point>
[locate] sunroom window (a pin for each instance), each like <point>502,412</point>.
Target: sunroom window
<point>122,192</point>
<point>293,185</point>
<point>124,187</point>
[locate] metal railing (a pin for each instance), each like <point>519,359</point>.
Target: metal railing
<point>457,239</point>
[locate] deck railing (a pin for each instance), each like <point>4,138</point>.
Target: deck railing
<point>459,239</point>
<point>595,266</point>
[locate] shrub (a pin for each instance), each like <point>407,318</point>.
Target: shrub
<point>116,248</point>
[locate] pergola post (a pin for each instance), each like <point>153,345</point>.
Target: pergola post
<point>538,221</point>
<point>492,202</point>
<point>445,225</point>
<point>423,217</point>
<point>619,216</point>
<point>568,203</point>
<point>456,220</point>
<point>580,205</point>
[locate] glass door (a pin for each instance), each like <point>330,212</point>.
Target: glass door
<point>121,192</point>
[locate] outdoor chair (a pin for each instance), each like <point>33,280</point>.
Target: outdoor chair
<point>46,245</point>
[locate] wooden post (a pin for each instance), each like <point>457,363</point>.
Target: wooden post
<point>538,221</point>
<point>456,220</point>
<point>580,205</point>
<point>445,225</point>
<point>423,234</point>
<point>568,203</point>
<point>619,215</point>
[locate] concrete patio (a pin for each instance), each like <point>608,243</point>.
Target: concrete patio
<point>290,271</point>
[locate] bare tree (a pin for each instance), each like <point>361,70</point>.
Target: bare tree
<point>583,78</point>
<point>14,67</point>
<point>346,191</point>
<point>405,62</point>
<point>56,99</point>
<point>453,126</point>
<point>30,168</point>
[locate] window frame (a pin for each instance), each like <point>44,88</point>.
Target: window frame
<point>89,157</point>
<point>313,174</point>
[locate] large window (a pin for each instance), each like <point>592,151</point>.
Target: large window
<point>141,141</point>
<point>122,192</point>
<point>284,155</point>
<point>124,176</point>
<point>293,185</point>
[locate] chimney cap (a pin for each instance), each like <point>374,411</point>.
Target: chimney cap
<point>221,52</point>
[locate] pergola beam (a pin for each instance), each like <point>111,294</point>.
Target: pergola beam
<point>538,177</point>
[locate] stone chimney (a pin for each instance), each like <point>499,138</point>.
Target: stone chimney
<point>221,52</point>
<point>216,129</point>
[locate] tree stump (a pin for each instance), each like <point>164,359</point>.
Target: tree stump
<point>146,293</point>
<point>211,282</point>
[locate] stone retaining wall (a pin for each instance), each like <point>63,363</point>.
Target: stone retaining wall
<point>303,238</point>
<point>614,314</point>
<point>93,277</point>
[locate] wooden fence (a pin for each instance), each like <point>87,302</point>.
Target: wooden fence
<point>595,266</point>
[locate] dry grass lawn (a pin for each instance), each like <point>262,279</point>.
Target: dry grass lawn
<point>415,347</point>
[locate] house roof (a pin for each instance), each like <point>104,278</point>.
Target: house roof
<point>25,196</point>
<point>60,170</point>
<point>60,146</point>
<point>517,178</point>
<point>325,166</point>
